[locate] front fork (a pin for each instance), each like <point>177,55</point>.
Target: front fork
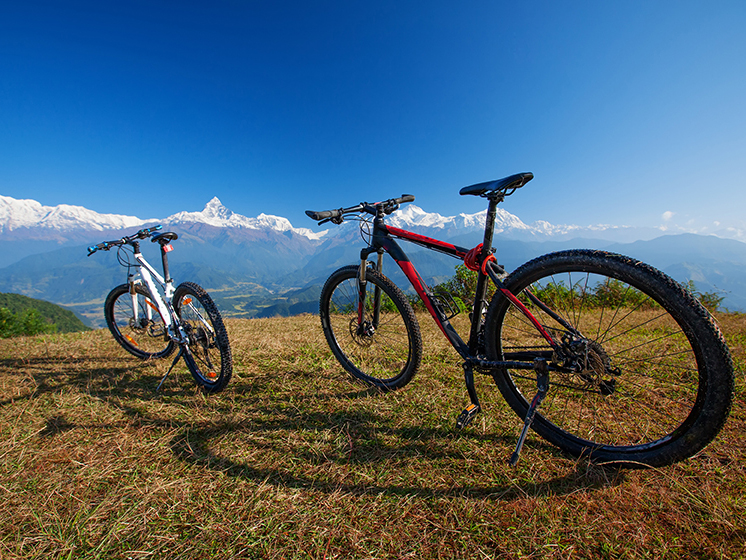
<point>362,286</point>
<point>132,283</point>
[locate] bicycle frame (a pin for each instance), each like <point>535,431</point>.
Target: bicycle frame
<point>201,327</point>
<point>150,276</point>
<point>384,240</point>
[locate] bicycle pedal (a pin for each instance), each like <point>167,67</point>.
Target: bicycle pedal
<point>466,416</point>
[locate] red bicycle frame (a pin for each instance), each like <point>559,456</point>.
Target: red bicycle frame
<point>383,240</point>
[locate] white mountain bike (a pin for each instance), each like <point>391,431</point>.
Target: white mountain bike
<point>148,317</point>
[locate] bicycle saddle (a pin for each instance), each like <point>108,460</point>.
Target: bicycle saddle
<point>500,186</point>
<point>164,237</point>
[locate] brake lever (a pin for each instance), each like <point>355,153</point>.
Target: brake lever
<point>390,209</point>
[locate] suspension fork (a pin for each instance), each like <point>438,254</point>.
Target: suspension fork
<point>133,297</point>
<point>363,284</point>
<point>149,306</point>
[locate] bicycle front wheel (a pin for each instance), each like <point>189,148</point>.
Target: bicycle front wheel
<point>208,352</point>
<point>383,348</point>
<point>136,323</point>
<point>641,373</point>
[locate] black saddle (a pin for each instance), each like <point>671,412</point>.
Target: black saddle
<point>164,237</point>
<point>499,187</point>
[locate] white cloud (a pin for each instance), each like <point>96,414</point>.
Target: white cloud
<point>667,215</point>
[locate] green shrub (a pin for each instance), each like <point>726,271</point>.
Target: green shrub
<point>711,300</point>
<point>27,323</point>
<point>463,286</point>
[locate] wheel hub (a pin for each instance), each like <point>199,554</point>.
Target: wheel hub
<point>362,333</point>
<point>138,324</point>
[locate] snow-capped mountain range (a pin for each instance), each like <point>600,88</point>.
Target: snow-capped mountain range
<point>16,214</point>
<point>217,215</point>
<point>413,216</point>
<point>24,215</point>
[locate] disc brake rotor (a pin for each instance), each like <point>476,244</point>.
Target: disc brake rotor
<point>362,333</point>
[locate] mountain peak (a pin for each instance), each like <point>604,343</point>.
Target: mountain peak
<point>217,215</point>
<point>215,209</point>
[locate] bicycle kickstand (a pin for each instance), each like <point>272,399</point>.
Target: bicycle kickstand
<point>176,359</point>
<point>542,386</point>
<point>468,414</point>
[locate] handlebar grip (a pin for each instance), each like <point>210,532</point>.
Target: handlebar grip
<point>323,215</point>
<point>104,245</point>
<point>405,198</point>
<point>145,232</point>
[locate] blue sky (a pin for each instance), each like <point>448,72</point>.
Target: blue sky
<point>626,112</point>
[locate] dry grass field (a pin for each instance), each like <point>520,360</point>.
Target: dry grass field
<point>295,460</point>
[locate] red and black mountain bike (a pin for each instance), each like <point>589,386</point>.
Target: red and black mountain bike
<point>600,354</point>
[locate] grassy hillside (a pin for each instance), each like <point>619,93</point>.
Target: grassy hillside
<point>65,319</point>
<point>294,460</point>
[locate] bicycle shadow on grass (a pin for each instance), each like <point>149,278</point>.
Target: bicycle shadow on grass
<point>372,442</point>
<point>281,434</point>
<point>91,375</point>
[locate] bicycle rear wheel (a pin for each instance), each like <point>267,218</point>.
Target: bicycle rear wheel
<point>208,353</point>
<point>642,375</point>
<point>383,351</point>
<point>136,324</point>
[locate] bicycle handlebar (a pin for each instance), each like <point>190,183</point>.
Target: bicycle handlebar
<point>106,245</point>
<point>337,216</point>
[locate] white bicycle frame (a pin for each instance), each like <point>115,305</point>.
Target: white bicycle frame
<point>150,276</point>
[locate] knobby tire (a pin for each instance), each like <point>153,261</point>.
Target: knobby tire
<point>656,379</point>
<point>208,354</point>
<point>145,337</point>
<point>386,355</point>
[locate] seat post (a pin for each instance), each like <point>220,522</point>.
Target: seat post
<point>164,260</point>
<point>489,226</point>
<point>481,290</point>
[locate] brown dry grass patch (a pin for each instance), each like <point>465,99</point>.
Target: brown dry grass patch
<point>294,460</point>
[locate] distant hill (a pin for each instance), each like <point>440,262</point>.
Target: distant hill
<point>65,319</point>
